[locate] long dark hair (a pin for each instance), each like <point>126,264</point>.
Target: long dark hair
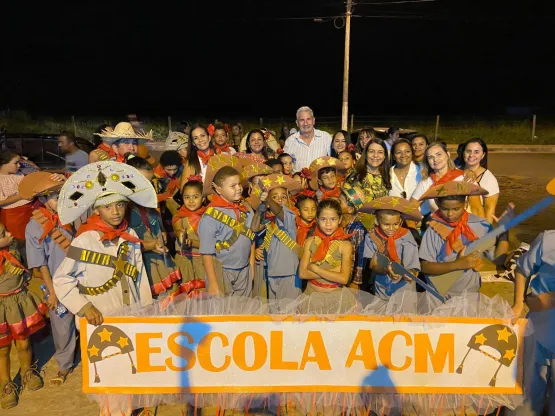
<point>6,156</point>
<point>361,169</point>
<point>392,153</point>
<point>264,150</point>
<point>484,161</point>
<point>192,158</point>
<point>347,136</point>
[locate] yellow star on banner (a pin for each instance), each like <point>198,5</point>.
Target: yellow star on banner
<point>480,339</point>
<point>319,161</point>
<point>267,182</point>
<point>105,335</point>
<point>123,342</point>
<point>332,161</point>
<point>503,335</point>
<point>93,351</point>
<point>509,354</point>
<point>394,202</point>
<point>280,180</point>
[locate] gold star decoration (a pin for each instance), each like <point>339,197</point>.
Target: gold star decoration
<point>509,354</point>
<point>280,180</point>
<point>378,204</point>
<point>105,335</point>
<point>267,182</point>
<point>394,202</point>
<point>332,161</point>
<point>480,339</point>
<point>239,228</point>
<point>123,342</point>
<point>254,168</point>
<point>503,335</point>
<point>257,191</point>
<point>319,161</point>
<point>441,190</point>
<point>119,264</point>
<point>93,351</point>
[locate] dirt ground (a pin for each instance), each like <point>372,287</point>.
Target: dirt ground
<point>522,179</point>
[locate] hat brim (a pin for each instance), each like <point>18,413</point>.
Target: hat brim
<point>38,184</point>
<point>407,216</point>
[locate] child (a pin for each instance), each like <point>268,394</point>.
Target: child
<point>185,223</point>
<point>221,140</point>
<point>287,162</point>
<point>47,242</point>
<point>22,314</point>
<point>305,221</point>
<point>451,229</point>
<point>348,160</point>
<point>161,270</point>
<point>275,165</point>
<point>107,187</point>
<point>281,252</point>
<point>324,171</point>
<point>226,240</point>
<point>391,239</point>
<point>351,200</point>
<point>170,168</point>
<point>327,264</point>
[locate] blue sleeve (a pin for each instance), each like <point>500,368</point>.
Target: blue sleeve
<point>369,247</point>
<point>207,232</point>
<point>289,223</point>
<point>529,263</point>
<point>430,246</point>
<point>410,257</point>
<point>36,257</point>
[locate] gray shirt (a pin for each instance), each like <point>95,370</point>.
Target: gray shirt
<point>280,260</point>
<point>45,253</point>
<point>76,161</point>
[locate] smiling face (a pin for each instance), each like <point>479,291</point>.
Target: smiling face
<point>437,158</point>
<point>389,223</point>
<point>231,189</point>
<point>220,137</point>
<point>256,142</point>
<point>473,155</point>
<point>329,221</point>
<point>5,236</point>
<point>364,138</point>
<point>305,122</point>
<point>328,180</point>
<point>278,195</point>
<point>192,198</point>
<point>418,147</point>
<point>339,143</point>
<point>307,210</point>
<point>375,155</point>
<point>402,155</point>
<point>347,159</point>
<point>201,139</point>
<point>112,214</point>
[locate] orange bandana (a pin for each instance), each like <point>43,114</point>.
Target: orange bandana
<point>108,232</point>
<point>322,250</point>
<point>53,222</point>
<point>460,227</point>
<point>391,249</point>
<point>448,177</point>
<point>192,216</point>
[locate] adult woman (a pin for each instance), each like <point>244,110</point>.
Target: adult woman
<point>371,175</point>
<point>257,150</point>
<point>339,142</point>
<point>404,174</point>
<point>364,136</point>
<point>199,151</point>
<point>475,158</point>
<point>419,144</point>
<point>285,133</point>
<point>438,169</point>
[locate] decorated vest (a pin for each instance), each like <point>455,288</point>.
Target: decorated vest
<point>331,261</point>
<point>238,227</point>
<point>271,230</point>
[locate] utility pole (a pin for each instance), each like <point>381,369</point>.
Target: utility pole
<point>345,106</point>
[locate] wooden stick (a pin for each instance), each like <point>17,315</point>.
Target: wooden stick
<point>437,127</point>
<point>534,127</point>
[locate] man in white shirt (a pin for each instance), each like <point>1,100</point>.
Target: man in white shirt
<point>308,143</point>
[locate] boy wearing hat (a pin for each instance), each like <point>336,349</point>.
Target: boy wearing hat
<point>225,230</point>
<point>47,241</point>
<point>324,171</point>
<point>391,239</point>
<point>122,139</point>
<point>450,230</point>
<point>103,270</point>
<point>351,200</point>
<point>178,141</point>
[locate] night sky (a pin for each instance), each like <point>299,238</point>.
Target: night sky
<point>239,58</point>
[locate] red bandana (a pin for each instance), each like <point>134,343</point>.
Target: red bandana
<point>460,227</point>
<point>221,149</point>
<point>108,233</point>
<point>331,193</point>
<point>5,255</point>
<point>449,176</point>
<point>53,222</point>
<point>391,249</point>
<point>303,229</point>
<point>192,216</point>
<point>219,202</point>
<point>322,250</point>
<point>108,149</point>
<point>205,157</point>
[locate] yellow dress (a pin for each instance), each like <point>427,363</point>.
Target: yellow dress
<point>373,187</point>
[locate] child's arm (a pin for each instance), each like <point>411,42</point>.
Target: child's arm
<point>344,274</point>
<point>304,272</point>
<point>276,209</point>
<point>52,301</point>
<point>143,285</point>
<point>527,265</point>
<point>520,284</point>
<point>11,200</point>
<point>208,263</point>
<point>462,263</point>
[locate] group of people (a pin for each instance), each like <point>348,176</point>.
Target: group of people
<point>307,221</point>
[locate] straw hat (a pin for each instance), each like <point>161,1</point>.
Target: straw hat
<point>270,182</point>
<point>320,163</point>
<point>39,184</point>
<point>102,183</point>
<point>215,163</point>
<point>122,131</point>
<point>408,209</point>
<point>176,140</point>
<point>453,188</point>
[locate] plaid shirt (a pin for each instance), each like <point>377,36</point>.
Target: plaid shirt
<point>357,240</point>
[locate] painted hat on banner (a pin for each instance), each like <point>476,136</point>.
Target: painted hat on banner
<point>320,163</point>
<point>109,336</point>
<point>408,209</point>
<point>354,195</point>
<point>453,188</point>
<point>125,131</point>
<point>497,342</point>
<point>273,181</point>
<point>102,183</point>
<point>38,184</point>
<point>215,163</point>
<point>176,140</point>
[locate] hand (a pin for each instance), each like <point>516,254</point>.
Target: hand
<point>57,177</point>
<point>52,302</point>
<point>518,309</point>
<point>165,238</point>
<point>507,215</point>
<point>93,316</point>
<point>214,290</point>
<point>471,261</point>
<point>159,248</point>
<point>392,275</point>
<point>259,254</point>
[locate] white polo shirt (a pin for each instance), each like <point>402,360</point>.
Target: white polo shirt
<point>304,154</point>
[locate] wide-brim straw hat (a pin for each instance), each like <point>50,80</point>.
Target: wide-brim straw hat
<point>320,163</point>
<point>125,131</point>
<point>453,188</point>
<point>215,163</point>
<point>408,209</point>
<point>39,184</point>
<point>176,140</point>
